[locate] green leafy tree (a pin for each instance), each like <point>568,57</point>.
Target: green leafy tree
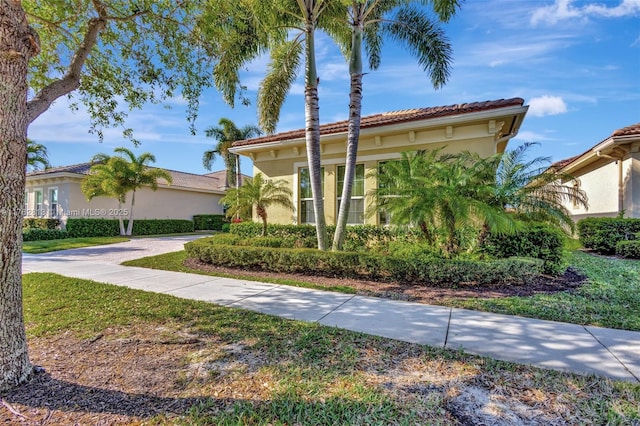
<point>37,155</point>
<point>258,193</point>
<point>370,22</point>
<point>226,134</point>
<point>286,29</point>
<point>111,56</point>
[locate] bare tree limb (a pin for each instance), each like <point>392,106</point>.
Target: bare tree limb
<point>71,80</point>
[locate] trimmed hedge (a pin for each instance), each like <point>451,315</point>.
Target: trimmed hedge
<point>432,272</point>
<point>36,234</point>
<point>111,228</point>
<point>602,234</point>
<point>209,222</point>
<point>40,223</point>
<point>629,249</point>
<point>357,237</point>
<point>537,240</point>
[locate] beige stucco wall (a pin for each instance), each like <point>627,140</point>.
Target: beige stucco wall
<point>286,161</point>
<point>610,185</point>
<point>631,185</point>
<point>165,203</point>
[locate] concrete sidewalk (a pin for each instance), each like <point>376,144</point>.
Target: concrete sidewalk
<point>559,346</point>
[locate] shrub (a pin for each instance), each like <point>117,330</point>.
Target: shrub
<point>602,234</point>
<point>209,222</point>
<point>37,234</point>
<point>40,223</point>
<point>161,226</point>
<point>629,249</point>
<point>111,228</point>
<point>364,265</point>
<point>79,227</point>
<point>536,240</point>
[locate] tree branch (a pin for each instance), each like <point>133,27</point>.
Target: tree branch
<point>71,80</point>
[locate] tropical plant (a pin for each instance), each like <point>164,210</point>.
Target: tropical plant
<point>226,134</point>
<point>118,175</point>
<point>370,21</point>
<point>533,189</point>
<point>286,29</point>
<point>442,194</point>
<point>259,193</point>
<point>112,55</point>
<point>107,178</point>
<point>37,155</point>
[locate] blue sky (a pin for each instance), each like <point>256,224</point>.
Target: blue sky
<point>576,64</point>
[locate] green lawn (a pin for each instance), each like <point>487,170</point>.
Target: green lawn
<point>611,297</point>
<point>288,372</point>
<point>44,246</point>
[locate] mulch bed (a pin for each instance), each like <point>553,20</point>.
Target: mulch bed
<point>542,284</point>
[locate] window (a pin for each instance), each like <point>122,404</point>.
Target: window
<point>576,187</point>
<point>307,215</point>
<point>25,212</point>
<point>53,202</point>
<point>38,211</point>
<point>356,206</point>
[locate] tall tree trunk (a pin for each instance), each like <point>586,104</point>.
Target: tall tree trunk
<point>312,134</point>
<point>130,224</point>
<point>18,43</point>
<point>120,218</point>
<point>355,113</point>
<point>262,214</point>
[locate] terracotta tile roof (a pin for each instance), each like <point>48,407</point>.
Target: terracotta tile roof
<point>634,129</point>
<point>180,179</point>
<point>563,163</point>
<point>392,117</point>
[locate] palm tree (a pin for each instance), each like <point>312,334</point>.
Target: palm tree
<point>286,29</point>
<point>226,134</point>
<point>442,194</point>
<point>107,178</point>
<point>118,175</point>
<point>533,189</point>
<point>259,193</point>
<point>37,155</point>
<point>139,174</point>
<point>370,21</point>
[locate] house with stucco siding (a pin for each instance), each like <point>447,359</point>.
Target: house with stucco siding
<point>481,127</point>
<point>56,193</point>
<point>609,173</point>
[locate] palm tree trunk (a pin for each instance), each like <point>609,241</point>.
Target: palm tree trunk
<point>355,113</point>
<point>120,219</point>
<point>230,166</point>
<point>312,135</point>
<point>15,366</point>
<point>262,214</point>
<point>130,224</point>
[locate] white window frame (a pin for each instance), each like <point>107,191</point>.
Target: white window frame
<point>357,198</point>
<point>38,208</point>
<point>51,212</point>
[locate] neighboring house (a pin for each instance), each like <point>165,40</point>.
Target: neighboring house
<point>56,193</point>
<point>482,127</point>
<point>221,174</point>
<point>609,173</point>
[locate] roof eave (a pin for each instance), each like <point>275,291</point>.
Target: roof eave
<point>396,127</point>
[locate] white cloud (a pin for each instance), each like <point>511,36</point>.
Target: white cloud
<point>564,9</point>
<point>547,105</point>
<point>531,136</point>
